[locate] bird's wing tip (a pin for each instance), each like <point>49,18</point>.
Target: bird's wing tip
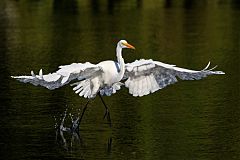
<point>219,72</point>
<point>17,77</point>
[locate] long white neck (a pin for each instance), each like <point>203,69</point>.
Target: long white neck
<point>120,61</point>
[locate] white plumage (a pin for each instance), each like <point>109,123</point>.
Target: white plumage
<point>142,77</point>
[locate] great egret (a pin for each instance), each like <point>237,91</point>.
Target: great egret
<point>142,77</point>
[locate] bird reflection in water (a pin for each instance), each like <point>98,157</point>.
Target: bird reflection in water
<point>75,139</point>
<point>73,130</point>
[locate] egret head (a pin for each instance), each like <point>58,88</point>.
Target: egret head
<point>125,44</point>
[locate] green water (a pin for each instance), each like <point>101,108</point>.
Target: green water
<point>188,120</point>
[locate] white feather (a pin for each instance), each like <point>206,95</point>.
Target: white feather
<point>65,79</point>
<point>135,87</point>
<point>87,93</point>
<point>40,74</point>
<point>79,90</point>
<point>131,85</point>
<point>154,83</point>
<point>51,77</point>
<point>127,83</point>
<point>77,87</point>
<point>149,86</point>
<point>147,90</point>
<point>32,73</point>
<point>83,92</point>
<point>143,90</point>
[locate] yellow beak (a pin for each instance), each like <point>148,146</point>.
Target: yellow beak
<point>129,45</point>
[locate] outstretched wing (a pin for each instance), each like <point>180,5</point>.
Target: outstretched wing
<point>148,76</point>
<point>63,76</point>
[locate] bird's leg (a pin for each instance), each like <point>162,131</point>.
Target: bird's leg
<point>84,109</point>
<point>107,113</point>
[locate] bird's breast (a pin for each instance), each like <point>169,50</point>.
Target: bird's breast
<point>110,73</point>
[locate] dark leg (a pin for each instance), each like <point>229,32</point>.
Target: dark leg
<point>84,109</point>
<point>107,113</point>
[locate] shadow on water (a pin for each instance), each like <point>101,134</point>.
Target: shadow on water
<point>96,5</point>
<point>65,7</point>
<point>235,4</point>
<point>139,4</point>
<point>190,4</point>
<point>168,3</point>
<point>112,4</point>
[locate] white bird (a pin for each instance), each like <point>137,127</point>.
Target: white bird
<point>142,77</point>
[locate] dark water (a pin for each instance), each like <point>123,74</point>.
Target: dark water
<point>188,120</point>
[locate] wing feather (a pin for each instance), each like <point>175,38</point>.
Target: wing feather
<point>63,76</point>
<point>154,84</point>
<point>135,87</point>
<point>144,90</point>
<point>154,75</point>
<point>140,86</point>
<point>149,86</point>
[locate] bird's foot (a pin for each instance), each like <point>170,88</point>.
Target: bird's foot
<point>107,115</point>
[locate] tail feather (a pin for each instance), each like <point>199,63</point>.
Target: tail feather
<point>83,88</point>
